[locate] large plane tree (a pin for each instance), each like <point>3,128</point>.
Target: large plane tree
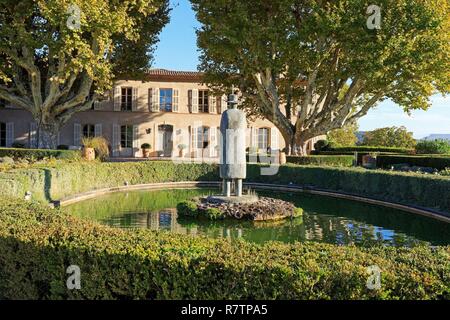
<point>58,56</point>
<point>311,66</point>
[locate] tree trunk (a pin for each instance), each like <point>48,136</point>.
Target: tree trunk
<point>48,135</point>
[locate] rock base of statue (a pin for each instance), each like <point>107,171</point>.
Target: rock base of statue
<point>249,207</point>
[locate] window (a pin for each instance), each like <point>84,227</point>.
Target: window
<point>203,101</point>
<point>263,138</point>
<point>126,136</point>
<point>89,131</point>
<point>202,137</point>
<point>127,99</point>
<point>2,134</point>
<point>165,100</point>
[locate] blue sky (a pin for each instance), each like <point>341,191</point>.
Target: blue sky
<point>177,50</point>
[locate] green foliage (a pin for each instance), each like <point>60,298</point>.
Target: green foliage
<point>146,146</point>
<point>367,149</point>
<point>214,214</point>
<point>99,144</point>
<point>344,137</point>
<point>38,154</point>
<point>321,145</point>
<point>390,137</point>
<point>37,244</point>
<point>439,163</point>
<point>338,160</point>
<point>187,208</point>
<point>438,146</point>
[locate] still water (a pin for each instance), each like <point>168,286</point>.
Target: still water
<point>325,219</point>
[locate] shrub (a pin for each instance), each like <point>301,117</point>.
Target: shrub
<point>390,137</point>
<point>214,214</point>
<point>439,163</point>
<point>100,145</point>
<point>37,244</point>
<point>187,209</point>
<point>146,146</point>
<point>321,160</point>
<point>18,145</point>
<point>62,147</point>
<point>38,154</point>
<point>321,145</point>
<point>438,146</point>
<point>368,149</point>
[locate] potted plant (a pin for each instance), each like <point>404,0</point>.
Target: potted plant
<point>182,148</point>
<point>283,156</point>
<point>92,147</point>
<point>146,150</point>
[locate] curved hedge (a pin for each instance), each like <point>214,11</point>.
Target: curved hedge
<point>37,244</point>
<point>38,154</point>
<point>437,162</point>
<point>54,183</point>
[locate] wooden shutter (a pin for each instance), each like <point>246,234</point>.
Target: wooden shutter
<point>9,134</point>
<point>77,134</point>
<point>153,99</point>
<point>116,140</point>
<point>136,146</point>
<point>223,104</point>
<point>98,130</point>
<point>117,96</point>
<point>135,99</point>
<point>32,136</point>
<point>254,137</point>
<point>175,100</point>
<point>212,104</point>
<point>213,141</point>
<point>194,138</point>
<point>194,100</point>
<point>274,139</point>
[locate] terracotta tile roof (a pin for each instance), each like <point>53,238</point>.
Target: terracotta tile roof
<point>172,75</point>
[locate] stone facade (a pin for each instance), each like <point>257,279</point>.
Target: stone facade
<point>168,109</point>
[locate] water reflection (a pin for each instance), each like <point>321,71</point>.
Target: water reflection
<point>324,220</point>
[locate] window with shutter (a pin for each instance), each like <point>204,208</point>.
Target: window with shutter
<point>203,101</point>
<point>98,130</point>
<point>116,140</point>
<point>126,99</point>
<point>176,98</point>
<point>193,100</point>
<point>117,98</point>
<point>135,99</point>
<point>212,104</point>
<point>165,100</point>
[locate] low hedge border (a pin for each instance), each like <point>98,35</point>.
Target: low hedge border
<point>439,162</point>
<point>323,160</point>
<point>38,154</point>
<point>53,183</point>
<point>373,149</point>
<point>37,244</point>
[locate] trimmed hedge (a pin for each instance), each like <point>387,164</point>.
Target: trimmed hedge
<point>39,154</point>
<point>437,162</point>
<point>373,149</point>
<point>323,160</point>
<point>37,244</point>
<point>57,182</point>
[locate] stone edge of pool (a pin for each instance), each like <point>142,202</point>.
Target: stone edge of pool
<point>261,186</point>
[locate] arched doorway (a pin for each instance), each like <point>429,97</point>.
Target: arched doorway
<point>165,140</point>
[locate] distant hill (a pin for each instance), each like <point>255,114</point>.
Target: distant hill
<point>438,136</point>
<point>360,136</point>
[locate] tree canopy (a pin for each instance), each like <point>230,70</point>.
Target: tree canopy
<point>398,137</point>
<point>312,66</point>
<point>54,66</point>
<point>343,137</point>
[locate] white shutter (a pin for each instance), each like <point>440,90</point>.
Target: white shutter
<point>77,134</point>
<point>159,140</point>
<point>194,101</point>
<point>135,97</point>
<point>194,131</point>
<point>274,139</point>
<point>153,99</point>
<point>223,104</point>
<point>117,96</point>
<point>254,137</point>
<point>98,130</point>
<point>33,133</point>
<point>212,104</point>
<point>136,145</point>
<point>213,141</point>
<point>175,100</point>
<point>9,134</point>
<point>116,140</point>
<point>96,105</point>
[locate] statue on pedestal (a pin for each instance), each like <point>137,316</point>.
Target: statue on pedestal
<point>233,166</point>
